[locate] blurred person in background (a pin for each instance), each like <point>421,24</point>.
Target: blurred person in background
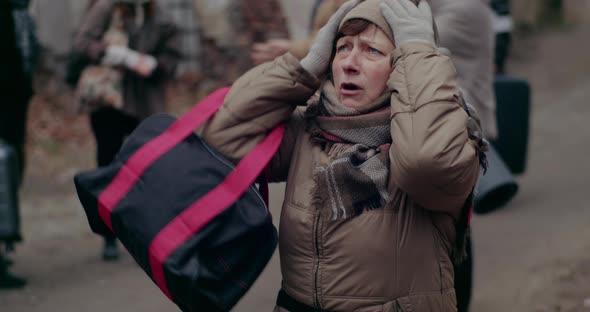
<point>267,51</point>
<point>379,164</point>
<point>18,50</point>
<point>147,54</point>
<point>229,28</point>
<point>503,26</point>
<point>466,28</point>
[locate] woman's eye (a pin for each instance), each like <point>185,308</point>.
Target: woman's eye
<point>374,51</point>
<point>342,48</point>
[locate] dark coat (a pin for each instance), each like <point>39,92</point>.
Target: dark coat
<point>15,85</point>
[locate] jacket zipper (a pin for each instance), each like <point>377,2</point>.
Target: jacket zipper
<point>317,262</point>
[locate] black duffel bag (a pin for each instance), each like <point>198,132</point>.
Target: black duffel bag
<point>195,223</point>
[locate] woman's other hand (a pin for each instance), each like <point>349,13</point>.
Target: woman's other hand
<point>141,64</point>
<point>317,59</point>
<point>267,51</point>
<point>408,21</point>
<point>115,55</point>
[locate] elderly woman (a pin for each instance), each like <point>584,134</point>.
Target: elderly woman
<point>379,167</point>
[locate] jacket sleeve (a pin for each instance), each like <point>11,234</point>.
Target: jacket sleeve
<point>88,40</point>
<point>258,101</point>
<point>432,158</point>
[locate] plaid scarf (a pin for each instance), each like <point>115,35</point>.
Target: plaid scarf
<point>357,141</point>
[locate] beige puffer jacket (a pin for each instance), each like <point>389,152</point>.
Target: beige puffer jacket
<point>396,258</point>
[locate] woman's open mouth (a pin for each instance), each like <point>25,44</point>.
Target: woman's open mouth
<point>348,88</point>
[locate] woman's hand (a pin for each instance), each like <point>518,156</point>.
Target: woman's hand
<point>141,64</point>
<point>317,59</point>
<point>408,21</point>
<point>115,55</point>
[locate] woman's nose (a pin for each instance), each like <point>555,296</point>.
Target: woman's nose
<point>350,64</point>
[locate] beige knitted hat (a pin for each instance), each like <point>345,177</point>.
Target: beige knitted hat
<point>369,10</point>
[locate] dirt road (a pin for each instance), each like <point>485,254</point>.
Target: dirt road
<point>531,256</point>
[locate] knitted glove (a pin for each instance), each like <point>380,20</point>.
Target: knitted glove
<point>115,55</point>
<point>408,21</point>
<point>142,64</point>
<point>317,59</point>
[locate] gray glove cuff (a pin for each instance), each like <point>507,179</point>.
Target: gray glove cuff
<point>314,64</point>
<point>317,60</point>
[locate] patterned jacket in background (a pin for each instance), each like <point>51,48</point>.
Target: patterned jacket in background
<point>263,20</point>
<point>229,28</point>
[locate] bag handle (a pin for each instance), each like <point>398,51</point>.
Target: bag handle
<point>139,162</point>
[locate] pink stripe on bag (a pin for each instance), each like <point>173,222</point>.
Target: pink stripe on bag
<point>150,152</point>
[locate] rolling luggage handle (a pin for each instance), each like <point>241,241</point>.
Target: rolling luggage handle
<point>207,207</point>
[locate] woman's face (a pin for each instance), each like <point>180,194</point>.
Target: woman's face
<point>361,67</point>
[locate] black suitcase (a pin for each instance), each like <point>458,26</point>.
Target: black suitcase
<point>9,217</point>
<point>513,115</point>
